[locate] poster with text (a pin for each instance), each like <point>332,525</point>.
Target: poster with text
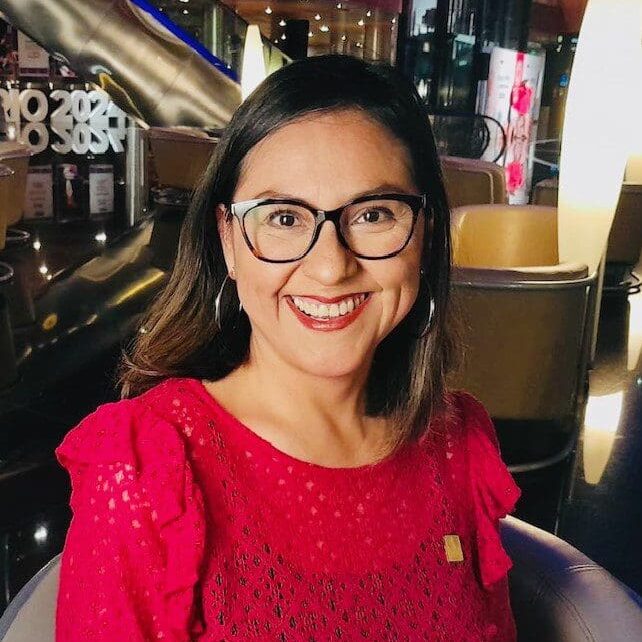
<point>39,195</point>
<point>513,95</point>
<point>101,190</point>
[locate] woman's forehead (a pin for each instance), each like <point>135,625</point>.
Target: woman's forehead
<point>340,149</point>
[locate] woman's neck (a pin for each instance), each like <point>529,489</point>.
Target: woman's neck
<point>314,418</point>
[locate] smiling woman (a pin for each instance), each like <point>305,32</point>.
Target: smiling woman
<point>322,133</point>
<point>286,463</point>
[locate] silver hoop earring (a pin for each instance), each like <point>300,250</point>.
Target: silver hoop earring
<point>217,303</point>
<point>431,316</point>
<point>431,305</point>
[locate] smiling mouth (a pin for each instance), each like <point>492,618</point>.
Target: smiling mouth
<point>324,311</point>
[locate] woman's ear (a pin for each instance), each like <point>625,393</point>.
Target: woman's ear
<point>224,225</point>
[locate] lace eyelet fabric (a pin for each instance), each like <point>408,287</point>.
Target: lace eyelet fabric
<point>188,526</point>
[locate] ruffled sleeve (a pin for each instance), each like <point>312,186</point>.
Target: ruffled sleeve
<point>494,492</point>
<point>135,545</point>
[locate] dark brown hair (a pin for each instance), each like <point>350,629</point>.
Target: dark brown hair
<point>179,336</point>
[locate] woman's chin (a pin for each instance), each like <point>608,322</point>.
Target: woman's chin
<point>330,366</point>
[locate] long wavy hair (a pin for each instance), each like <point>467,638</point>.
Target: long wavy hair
<point>179,336</point>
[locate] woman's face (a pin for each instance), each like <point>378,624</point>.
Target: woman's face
<point>326,161</point>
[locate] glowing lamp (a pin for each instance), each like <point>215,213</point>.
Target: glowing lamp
<point>253,66</point>
<point>602,106</point>
<point>600,429</point>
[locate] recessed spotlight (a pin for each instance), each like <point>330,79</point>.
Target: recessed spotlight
<point>324,28</point>
<point>281,23</point>
<point>283,37</point>
<point>310,34</point>
<point>361,22</point>
<point>339,5</point>
<point>185,11</point>
<point>368,13</point>
<point>317,17</point>
<point>268,10</point>
<point>343,37</point>
<point>394,20</point>
<point>185,1</point>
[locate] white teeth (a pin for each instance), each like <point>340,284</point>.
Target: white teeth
<point>329,310</point>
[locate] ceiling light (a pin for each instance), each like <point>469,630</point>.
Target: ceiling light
<point>310,34</point>
<point>185,1</point>
<point>268,10</point>
<point>339,5</point>
<point>317,17</point>
<point>282,23</point>
<point>368,13</point>
<point>394,20</point>
<point>343,37</point>
<point>361,23</point>
<point>324,28</point>
<point>283,37</point>
<point>185,11</point>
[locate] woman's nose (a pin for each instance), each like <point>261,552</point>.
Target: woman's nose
<point>329,261</point>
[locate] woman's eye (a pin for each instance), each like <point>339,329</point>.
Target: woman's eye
<point>373,216</point>
<point>283,219</point>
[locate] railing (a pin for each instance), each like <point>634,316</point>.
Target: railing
<point>466,135</point>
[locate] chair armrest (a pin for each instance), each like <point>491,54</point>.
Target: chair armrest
<point>559,594</point>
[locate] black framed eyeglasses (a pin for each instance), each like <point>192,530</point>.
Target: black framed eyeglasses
<point>377,226</point>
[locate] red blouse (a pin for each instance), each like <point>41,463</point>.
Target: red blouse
<point>189,526</point>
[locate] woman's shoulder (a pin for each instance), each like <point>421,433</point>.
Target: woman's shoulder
<point>468,420</point>
<point>130,432</point>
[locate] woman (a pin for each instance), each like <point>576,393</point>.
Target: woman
<point>286,464</point>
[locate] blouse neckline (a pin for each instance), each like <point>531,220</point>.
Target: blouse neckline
<point>389,461</point>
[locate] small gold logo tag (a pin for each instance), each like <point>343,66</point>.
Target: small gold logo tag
<point>452,547</point>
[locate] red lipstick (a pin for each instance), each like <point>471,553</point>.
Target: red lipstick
<point>330,324</point>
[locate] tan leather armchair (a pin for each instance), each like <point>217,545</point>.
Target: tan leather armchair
<point>522,317</point>
<point>471,181</point>
<point>181,155</point>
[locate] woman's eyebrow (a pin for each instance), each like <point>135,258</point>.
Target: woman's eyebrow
<point>379,189</point>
